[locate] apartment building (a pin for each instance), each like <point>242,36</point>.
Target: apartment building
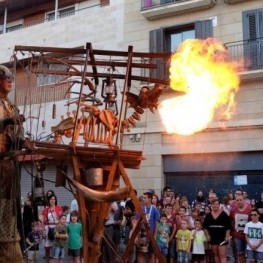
<point>219,158</point>
<point>61,23</point>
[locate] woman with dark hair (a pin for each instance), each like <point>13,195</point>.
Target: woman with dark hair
<point>217,226</point>
<point>48,193</point>
<point>30,214</point>
<point>156,202</point>
<point>50,216</point>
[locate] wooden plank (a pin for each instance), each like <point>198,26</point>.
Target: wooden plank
<point>42,49</point>
<point>130,158</point>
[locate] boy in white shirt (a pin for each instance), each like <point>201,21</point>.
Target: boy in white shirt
<point>199,239</point>
<point>254,237</point>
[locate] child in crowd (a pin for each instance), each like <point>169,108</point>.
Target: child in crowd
<point>66,211</point>
<point>183,242</point>
<point>181,217</point>
<point>162,232</point>
<point>32,241</point>
<point>61,237</point>
<point>199,239</point>
<point>74,238</point>
<point>194,215</point>
<point>171,222</point>
<point>254,236</point>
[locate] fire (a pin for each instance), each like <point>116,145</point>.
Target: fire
<point>200,69</point>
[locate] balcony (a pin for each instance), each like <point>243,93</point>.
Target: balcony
<point>251,53</point>
<point>155,9</point>
<point>50,17</point>
<point>235,1</point>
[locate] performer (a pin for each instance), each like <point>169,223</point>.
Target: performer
<point>11,134</point>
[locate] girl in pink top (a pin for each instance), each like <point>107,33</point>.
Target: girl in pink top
<point>50,216</point>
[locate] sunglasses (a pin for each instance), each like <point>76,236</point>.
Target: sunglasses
<point>7,77</point>
<point>254,214</point>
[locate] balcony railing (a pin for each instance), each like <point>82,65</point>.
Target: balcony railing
<point>48,19</point>
<point>146,4</point>
<point>251,51</point>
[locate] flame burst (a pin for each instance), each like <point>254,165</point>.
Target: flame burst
<point>200,69</point>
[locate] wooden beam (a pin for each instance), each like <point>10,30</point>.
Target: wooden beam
<point>137,204</point>
<point>77,177</point>
<point>102,63</point>
<point>103,213</point>
<point>111,53</point>
<point>92,63</point>
<point>101,75</point>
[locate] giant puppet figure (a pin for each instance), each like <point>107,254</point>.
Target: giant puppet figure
<point>10,140</point>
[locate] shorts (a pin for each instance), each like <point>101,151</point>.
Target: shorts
<point>182,256</point>
<point>163,248</point>
<point>58,252</point>
<point>74,252</point>
<point>198,257</point>
<point>240,245</point>
<point>251,254</point>
<point>32,254</point>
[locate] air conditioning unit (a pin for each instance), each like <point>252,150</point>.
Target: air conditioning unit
<point>235,1</point>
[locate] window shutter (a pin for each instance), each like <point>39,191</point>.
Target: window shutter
<point>253,24</point>
<point>156,40</point>
<point>203,29</point>
<point>249,25</point>
<point>252,34</point>
<point>260,22</point>
<point>157,46</point>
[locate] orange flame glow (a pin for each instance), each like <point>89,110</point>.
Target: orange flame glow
<point>200,69</point>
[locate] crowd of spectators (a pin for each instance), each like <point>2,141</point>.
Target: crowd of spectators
<point>198,231</point>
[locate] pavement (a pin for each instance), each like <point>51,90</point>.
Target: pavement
<point>41,255</point>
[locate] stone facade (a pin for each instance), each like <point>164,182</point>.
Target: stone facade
<point>241,134</point>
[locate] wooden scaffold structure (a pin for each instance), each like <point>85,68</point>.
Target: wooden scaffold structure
<point>95,128</point>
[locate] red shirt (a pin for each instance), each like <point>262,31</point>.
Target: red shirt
<point>171,222</point>
<point>238,220</point>
<point>51,215</point>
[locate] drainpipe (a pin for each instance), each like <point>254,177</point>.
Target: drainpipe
<point>56,9</point>
<point>5,19</point>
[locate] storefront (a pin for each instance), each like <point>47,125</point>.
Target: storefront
<point>222,172</point>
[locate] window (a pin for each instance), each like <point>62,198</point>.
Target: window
<point>168,39</point>
<point>175,37</point>
<point>61,13</point>
<point>253,37</point>
<point>46,79</point>
<point>13,28</point>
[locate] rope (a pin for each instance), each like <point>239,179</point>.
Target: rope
<point>112,246</point>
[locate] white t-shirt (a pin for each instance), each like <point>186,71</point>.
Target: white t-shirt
<point>254,231</point>
<point>198,242</point>
<point>74,205</point>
